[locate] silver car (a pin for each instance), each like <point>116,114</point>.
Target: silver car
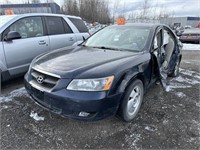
<point>23,37</point>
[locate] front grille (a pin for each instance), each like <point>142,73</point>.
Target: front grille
<point>43,80</point>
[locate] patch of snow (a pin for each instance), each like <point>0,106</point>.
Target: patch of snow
<point>132,140</point>
<point>16,93</point>
<point>196,124</point>
<point>152,129</point>
<point>183,82</point>
<point>198,104</point>
<point>191,139</point>
<point>191,46</point>
<point>188,72</point>
<point>192,81</point>
<point>165,122</point>
<point>187,62</point>
<point>36,117</point>
<point>176,86</point>
<point>167,89</point>
<point>180,94</point>
<point>196,76</point>
<point>5,107</point>
<point>186,80</point>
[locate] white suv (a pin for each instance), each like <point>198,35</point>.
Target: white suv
<point>23,37</point>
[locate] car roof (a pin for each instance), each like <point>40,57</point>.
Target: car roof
<point>141,24</point>
<point>44,14</point>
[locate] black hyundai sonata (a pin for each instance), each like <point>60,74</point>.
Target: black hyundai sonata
<point>107,74</point>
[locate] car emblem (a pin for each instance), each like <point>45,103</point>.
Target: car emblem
<point>40,79</point>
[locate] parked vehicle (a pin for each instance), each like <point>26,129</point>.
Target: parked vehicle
<point>190,36</point>
<point>107,74</point>
<point>179,31</point>
<point>26,36</point>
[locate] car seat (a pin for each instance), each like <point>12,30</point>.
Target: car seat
<point>169,48</point>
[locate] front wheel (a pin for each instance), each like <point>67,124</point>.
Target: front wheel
<point>132,101</point>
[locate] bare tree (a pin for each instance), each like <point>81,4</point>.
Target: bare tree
<point>89,10</point>
<point>8,2</point>
<point>115,8</point>
<point>145,11</point>
<point>150,13</point>
<point>70,7</point>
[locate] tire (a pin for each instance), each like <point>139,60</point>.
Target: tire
<point>175,71</point>
<point>132,101</point>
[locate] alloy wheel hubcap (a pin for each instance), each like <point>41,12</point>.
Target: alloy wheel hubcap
<point>134,101</point>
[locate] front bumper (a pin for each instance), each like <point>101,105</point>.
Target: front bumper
<point>73,103</point>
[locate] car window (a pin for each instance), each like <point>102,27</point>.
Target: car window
<point>79,24</point>
<point>55,25</point>
<point>66,27</point>
<point>28,27</point>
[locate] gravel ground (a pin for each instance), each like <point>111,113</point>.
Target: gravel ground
<point>167,120</point>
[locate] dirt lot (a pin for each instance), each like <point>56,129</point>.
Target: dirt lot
<point>167,120</point>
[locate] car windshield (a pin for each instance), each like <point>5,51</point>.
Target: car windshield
<point>121,38</point>
<point>5,19</point>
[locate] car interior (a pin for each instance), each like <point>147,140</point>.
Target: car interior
<point>166,44</point>
<point>28,27</point>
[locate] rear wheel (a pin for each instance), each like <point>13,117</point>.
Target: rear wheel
<point>132,101</point>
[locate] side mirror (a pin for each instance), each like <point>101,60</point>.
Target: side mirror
<point>13,35</point>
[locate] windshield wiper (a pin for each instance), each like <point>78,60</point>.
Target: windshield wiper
<point>109,48</point>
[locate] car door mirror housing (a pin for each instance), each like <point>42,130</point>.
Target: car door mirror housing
<point>12,35</point>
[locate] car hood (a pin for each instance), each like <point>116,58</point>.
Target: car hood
<point>69,63</point>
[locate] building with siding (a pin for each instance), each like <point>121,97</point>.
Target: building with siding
<point>8,9</point>
<point>181,21</point>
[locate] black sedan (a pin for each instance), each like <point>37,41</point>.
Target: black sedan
<point>107,74</point>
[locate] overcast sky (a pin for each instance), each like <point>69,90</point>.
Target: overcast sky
<point>179,7</point>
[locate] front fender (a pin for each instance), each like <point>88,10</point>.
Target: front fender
<point>142,72</point>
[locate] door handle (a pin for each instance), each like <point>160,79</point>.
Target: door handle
<point>71,39</point>
<point>42,42</point>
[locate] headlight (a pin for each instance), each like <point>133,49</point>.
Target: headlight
<point>99,84</point>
